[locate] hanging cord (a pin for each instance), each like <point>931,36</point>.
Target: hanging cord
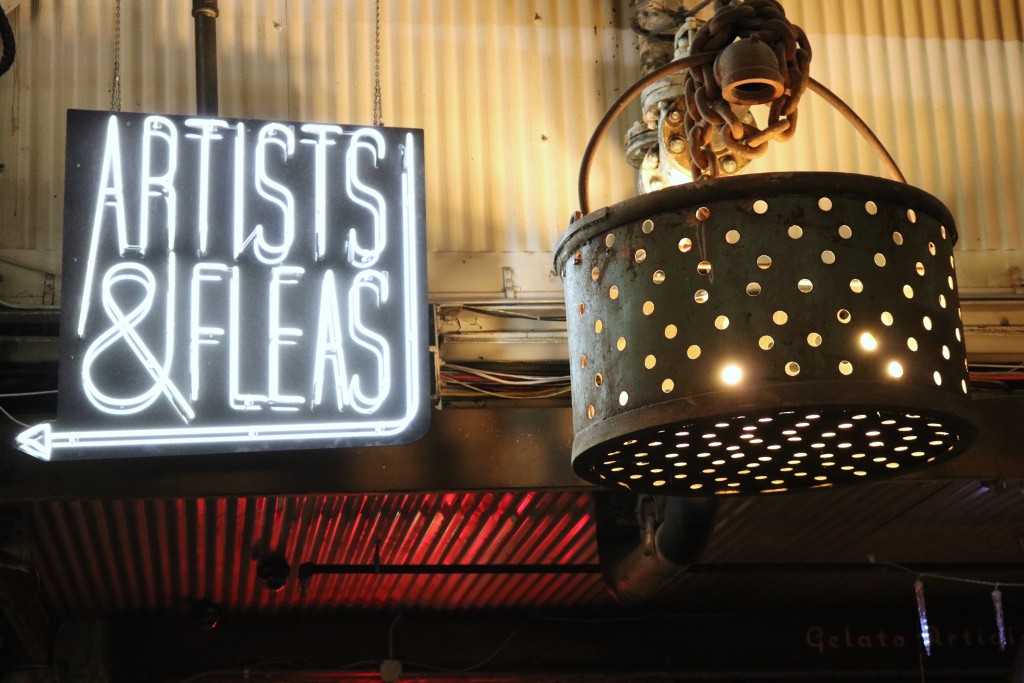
<point>115,88</point>
<point>378,107</point>
<point>7,38</point>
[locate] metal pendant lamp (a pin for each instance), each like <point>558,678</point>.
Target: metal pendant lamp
<point>761,333</point>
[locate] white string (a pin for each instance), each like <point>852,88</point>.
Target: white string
<point>946,577</point>
<point>29,393</point>
<point>12,418</point>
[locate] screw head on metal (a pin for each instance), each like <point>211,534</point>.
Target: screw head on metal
<point>728,164</point>
<point>676,144</point>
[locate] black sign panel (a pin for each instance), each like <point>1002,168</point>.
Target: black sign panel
<point>238,285</point>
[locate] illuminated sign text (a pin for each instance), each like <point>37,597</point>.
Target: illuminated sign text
<point>238,285</point>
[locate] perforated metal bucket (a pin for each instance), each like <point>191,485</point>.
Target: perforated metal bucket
<point>764,333</point>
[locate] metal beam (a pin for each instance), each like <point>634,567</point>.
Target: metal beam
<point>464,450</point>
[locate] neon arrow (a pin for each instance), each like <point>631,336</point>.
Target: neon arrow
<point>43,441</point>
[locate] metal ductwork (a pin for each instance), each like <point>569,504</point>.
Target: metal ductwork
<point>673,533</point>
<point>205,13</point>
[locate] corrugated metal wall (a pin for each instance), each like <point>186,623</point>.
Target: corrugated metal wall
<point>940,83</point>
<point>151,556</point>
<point>132,555</point>
<point>508,93</point>
<point>505,92</point>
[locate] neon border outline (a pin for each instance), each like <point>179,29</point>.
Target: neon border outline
<point>41,440</point>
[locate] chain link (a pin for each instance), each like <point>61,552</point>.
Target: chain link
<point>378,107</point>
<point>706,112</point>
<point>115,90</point>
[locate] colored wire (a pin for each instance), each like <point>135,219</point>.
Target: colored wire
<point>501,313</point>
<point>508,377</point>
<point>479,390</point>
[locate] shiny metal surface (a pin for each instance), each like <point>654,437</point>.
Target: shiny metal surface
<point>122,556</point>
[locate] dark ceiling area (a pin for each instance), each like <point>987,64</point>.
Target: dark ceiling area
<point>501,584</point>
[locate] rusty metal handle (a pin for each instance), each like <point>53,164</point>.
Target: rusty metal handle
<point>862,128</point>
<point>624,100</point>
<point>630,94</point>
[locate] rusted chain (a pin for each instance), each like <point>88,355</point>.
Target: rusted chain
<point>703,103</point>
<point>617,108</point>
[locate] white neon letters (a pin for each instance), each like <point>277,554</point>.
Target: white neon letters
<point>366,196</point>
<point>201,334</point>
<point>158,186</point>
<point>209,133</point>
<point>274,192</point>
<point>320,175</point>
<point>278,312</point>
<point>111,194</point>
<point>281,336</point>
<point>124,330</point>
<point>330,347</point>
<point>364,336</point>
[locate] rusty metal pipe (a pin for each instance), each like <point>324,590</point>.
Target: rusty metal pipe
<point>635,572</point>
<point>205,13</point>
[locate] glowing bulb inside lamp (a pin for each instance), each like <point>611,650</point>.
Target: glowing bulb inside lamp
<point>731,374</point>
<point>868,341</point>
<point>895,369</point>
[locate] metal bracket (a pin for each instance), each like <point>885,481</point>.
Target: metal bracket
<point>49,289</point>
<point>508,282</point>
<point>1017,280</point>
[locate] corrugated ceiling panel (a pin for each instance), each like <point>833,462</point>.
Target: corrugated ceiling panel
<point>505,92</point>
<point>98,557</point>
<point>508,94</point>
<point>939,84</point>
<point>892,521</point>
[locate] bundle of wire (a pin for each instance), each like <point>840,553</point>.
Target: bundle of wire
<point>534,381</point>
<point>999,377</point>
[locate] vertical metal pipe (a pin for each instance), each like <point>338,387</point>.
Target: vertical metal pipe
<point>7,40</point>
<point>205,13</point>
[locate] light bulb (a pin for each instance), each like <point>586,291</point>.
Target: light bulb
<point>732,374</point>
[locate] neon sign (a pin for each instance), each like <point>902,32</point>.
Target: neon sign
<point>236,286</point>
